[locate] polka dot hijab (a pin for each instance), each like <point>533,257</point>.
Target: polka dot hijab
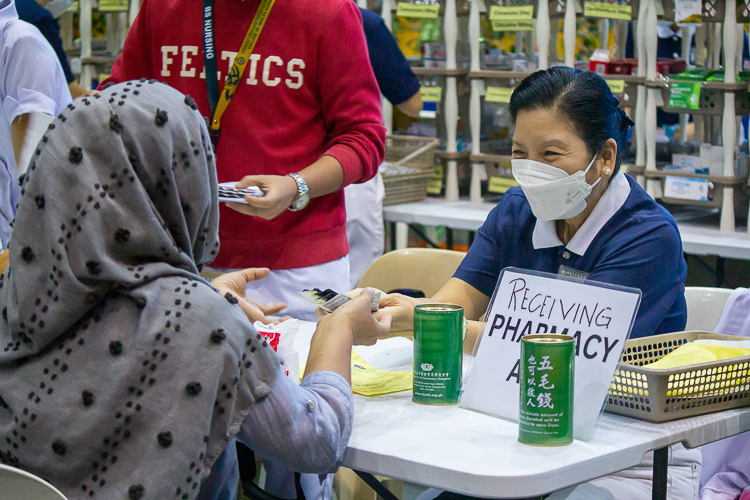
<point>123,374</point>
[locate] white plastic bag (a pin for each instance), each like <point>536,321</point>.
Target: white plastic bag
<point>281,338</point>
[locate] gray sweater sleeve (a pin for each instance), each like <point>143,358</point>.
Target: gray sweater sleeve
<point>305,428</point>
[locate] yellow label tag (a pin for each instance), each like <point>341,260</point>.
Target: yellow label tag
<point>113,5</point>
<point>609,10</point>
<point>434,186</point>
<point>431,94</point>
<point>616,86</point>
<point>498,94</point>
<point>417,10</point>
<point>500,184</point>
<point>103,76</point>
<point>435,182</point>
<point>74,7</point>
<point>511,13</point>
<point>521,25</point>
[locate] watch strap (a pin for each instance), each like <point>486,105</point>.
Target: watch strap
<point>303,193</point>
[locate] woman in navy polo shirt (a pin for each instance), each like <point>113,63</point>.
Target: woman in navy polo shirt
<point>576,213</point>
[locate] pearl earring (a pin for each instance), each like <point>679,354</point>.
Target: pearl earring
<point>607,171</point>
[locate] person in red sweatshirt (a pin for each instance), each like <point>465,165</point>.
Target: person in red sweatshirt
<point>307,104</point>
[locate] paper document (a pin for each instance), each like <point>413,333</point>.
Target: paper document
<point>369,381</point>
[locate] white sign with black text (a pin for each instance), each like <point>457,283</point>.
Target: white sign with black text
<point>599,316</point>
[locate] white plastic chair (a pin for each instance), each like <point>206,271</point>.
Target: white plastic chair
<point>16,484</point>
<point>704,307</point>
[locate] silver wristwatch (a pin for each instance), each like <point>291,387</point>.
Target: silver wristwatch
<point>302,198</point>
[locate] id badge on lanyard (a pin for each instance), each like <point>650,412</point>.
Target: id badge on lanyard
<point>219,100</point>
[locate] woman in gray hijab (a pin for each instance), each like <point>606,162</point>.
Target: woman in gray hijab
<point>124,374</point>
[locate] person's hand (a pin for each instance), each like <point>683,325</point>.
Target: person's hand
<point>234,283</point>
<point>356,315</point>
<point>278,193</point>
<point>401,309</point>
<point>351,293</point>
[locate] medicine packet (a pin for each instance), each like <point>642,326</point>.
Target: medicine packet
<point>229,193</point>
<point>329,301</point>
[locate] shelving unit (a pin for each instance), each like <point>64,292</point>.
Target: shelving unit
<point>728,100</point>
<point>118,22</point>
<point>545,13</point>
<point>449,11</point>
<point>481,162</point>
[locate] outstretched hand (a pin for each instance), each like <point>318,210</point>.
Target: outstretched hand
<point>234,283</point>
<point>356,315</point>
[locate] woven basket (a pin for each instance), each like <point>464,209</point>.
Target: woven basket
<point>671,394</point>
<point>409,163</point>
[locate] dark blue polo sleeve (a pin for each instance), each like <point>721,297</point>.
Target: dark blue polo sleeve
<point>653,262</point>
<point>482,264</point>
<point>395,78</point>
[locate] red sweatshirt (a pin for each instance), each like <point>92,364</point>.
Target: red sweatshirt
<point>307,91</point>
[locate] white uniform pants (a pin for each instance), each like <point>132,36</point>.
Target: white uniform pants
<point>683,481</point>
<point>283,285</point>
<point>364,225</point>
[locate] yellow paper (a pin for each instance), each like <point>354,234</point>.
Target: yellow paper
<point>500,184</point>
<point>519,25</point>
<point>417,10</point>
<point>519,13</point>
<point>616,86</point>
<point>714,381</point>
<point>608,10</point>
<point>431,94</point>
<point>695,353</point>
<point>73,7</point>
<point>103,76</point>
<point>498,94</point>
<point>369,381</point>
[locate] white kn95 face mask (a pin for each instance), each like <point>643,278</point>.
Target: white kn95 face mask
<point>552,193</point>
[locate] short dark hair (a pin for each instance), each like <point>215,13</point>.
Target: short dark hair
<point>581,96</point>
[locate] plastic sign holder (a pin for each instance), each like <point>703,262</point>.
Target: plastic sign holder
<point>598,315</point>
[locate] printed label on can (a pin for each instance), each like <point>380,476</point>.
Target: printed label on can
<point>546,398</point>
<point>438,340</point>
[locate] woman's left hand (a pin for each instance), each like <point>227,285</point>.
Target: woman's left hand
<point>234,283</point>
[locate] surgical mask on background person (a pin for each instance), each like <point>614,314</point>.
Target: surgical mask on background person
<point>552,193</point>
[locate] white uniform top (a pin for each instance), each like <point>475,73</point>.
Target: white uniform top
<point>31,80</point>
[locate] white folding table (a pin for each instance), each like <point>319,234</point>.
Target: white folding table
<point>479,455</point>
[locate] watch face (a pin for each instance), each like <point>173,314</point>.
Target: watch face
<point>303,194</point>
<point>302,201</point>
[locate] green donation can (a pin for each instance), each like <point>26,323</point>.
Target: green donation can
<point>438,341</point>
<point>546,399</point>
